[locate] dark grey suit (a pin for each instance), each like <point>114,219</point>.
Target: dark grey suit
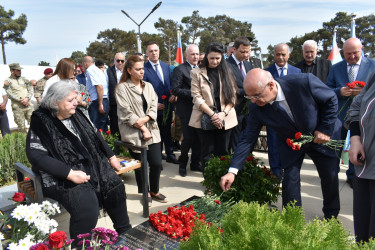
<point>320,68</point>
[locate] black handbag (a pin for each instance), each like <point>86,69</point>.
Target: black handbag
<point>206,122</point>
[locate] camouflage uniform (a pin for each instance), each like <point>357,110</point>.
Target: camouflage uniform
<point>18,89</point>
<point>39,87</point>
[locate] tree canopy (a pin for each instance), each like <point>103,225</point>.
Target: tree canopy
<point>11,29</point>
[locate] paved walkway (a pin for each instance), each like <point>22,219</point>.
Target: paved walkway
<point>178,188</point>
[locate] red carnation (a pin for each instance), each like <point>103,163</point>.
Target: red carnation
<point>298,135</point>
<point>163,97</point>
<point>82,93</point>
<point>362,84</point>
<point>289,142</point>
<point>89,100</point>
<point>222,158</point>
<point>42,247</point>
<point>217,202</point>
<point>18,197</point>
<point>101,130</point>
<point>298,147</point>
<point>57,239</point>
<point>108,132</point>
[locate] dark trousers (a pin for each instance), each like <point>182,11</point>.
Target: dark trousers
<point>165,133</point>
<point>364,208</point>
<point>213,143</point>
<point>190,140</point>
<point>273,152</point>
<point>113,120</point>
<point>83,208</point>
<point>154,161</point>
<point>326,167</point>
<point>100,121</point>
<point>236,131</point>
<point>4,123</point>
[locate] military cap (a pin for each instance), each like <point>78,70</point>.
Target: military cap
<point>15,66</point>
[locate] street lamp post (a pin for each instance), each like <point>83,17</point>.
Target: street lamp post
<point>139,25</point>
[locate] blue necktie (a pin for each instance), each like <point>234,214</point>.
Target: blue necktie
<point>282,72</point>
<point>158,73</point>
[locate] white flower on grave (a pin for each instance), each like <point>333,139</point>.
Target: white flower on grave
<point>1,236</point>
<point>19,212</point>
<point>25,243</point>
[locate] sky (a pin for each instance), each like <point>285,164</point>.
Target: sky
<point>56,28</point>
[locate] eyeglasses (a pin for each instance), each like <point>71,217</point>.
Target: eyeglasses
<point>122,61</point>
<point>257,96</point>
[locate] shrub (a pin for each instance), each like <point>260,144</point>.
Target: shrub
<point>253,183</point>
<point>12,150</point>
<point>254,226</point>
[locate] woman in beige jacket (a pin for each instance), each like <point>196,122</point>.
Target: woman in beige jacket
<point>137,112</point>
<point>213,76</point>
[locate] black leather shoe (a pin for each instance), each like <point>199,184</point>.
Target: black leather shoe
<point>350,182</point>
<point>182,172</point>
<point>163,157</point>
<point>196,168</point>
<point>176,146</point>
<point>172,159</point>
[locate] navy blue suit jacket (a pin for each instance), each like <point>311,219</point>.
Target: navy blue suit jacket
<point>338,78</point>
<point>159,87</point>
<point>291,70</point>
<point>314,107</point>
<point>241,100</point>
<point>81,78</point>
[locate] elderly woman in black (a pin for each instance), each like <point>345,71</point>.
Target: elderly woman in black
<point>75,163</point>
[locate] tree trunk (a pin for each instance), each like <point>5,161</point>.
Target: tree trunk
<point>3,49</point>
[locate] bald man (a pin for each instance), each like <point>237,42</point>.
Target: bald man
<point>353,68</point>
<point>96,84</point>
<point>291,104</point>
<point>114,75</point>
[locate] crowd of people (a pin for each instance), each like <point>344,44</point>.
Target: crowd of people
<point>221,100</point>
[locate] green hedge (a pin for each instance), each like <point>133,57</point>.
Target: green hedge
<point>12,150</point>
<point>252,226</point>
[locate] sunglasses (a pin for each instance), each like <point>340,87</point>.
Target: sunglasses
<point>122,61</point>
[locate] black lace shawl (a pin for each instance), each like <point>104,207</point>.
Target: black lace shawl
<point>87,154</point>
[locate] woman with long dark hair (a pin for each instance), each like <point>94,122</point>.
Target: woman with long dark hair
<point>137,113</point>
<point>213,84</point>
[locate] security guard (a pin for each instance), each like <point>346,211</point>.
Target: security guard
<point>19,91</point>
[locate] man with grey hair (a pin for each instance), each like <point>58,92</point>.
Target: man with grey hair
<point>96,84</point>
<point>181,85</point>
<point>311,63</point>
<point>279,69</point>
<point>114,74</point>
<point>279,104</point>
<point>230,50</point>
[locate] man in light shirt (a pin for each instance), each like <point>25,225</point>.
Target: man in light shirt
<point>96,84</point>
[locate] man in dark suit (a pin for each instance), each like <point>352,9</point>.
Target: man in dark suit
<point>279,69</point>
<point>353,68</point>
<point>294,103</point>
<point>240,66</point>
<point>318,66</point>
<point>114,74</point>
<point>158,74</point>
<point>181,83</point>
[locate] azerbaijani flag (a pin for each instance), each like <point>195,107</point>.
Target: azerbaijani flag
<point>179,58</point>
<point>335,56</point>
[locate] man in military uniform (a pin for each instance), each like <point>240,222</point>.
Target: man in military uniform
<point>19,91</point>
<point>39,87</point>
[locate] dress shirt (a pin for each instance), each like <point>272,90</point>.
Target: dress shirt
<point>3,93</point>
<point>192,66</point>
<point>279,69</point>
<point>238,62</point>
<point>283,104</point>
<point>355,68</point>
<point>118,74</point>
<point>96,76</point>
<point>159,68</point>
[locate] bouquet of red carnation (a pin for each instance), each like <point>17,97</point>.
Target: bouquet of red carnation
<point>300,139</point>
<point>178,222</point>
<point>165,110</point>
<point>354,84</point>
